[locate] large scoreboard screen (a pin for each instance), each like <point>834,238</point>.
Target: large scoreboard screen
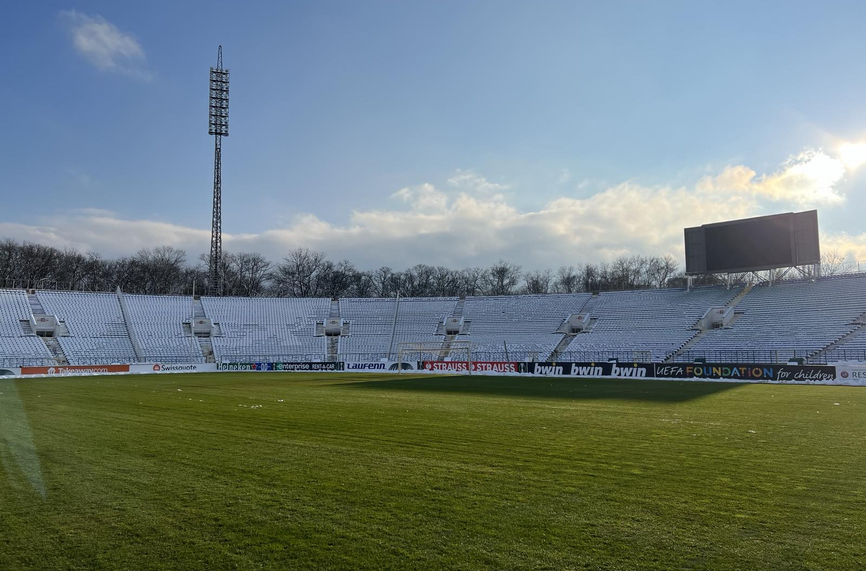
<point>753,244</point>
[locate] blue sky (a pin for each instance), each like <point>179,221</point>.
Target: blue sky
<point>444,132</point>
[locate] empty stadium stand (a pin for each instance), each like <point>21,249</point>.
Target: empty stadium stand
<point>786,320</point>
<point>97,331</point>
<point>628,324</point>
<point>371,327</point>
<point>819,321</point>
<point>19,344</point>
<point>518,327</point>
<point>267,329</point>
<point>158,327</point>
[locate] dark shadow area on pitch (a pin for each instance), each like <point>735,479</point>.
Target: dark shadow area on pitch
<point>553,387</point>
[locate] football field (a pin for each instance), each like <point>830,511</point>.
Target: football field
<point>364,471</point>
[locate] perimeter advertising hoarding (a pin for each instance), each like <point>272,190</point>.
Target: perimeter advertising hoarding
<point>380,366</point>
<point>629,370</point>
<point>75,370</point>
<point>280,366</point>
<point>851,373</point>
<point>747,372</point>
<point>173,368</point>
<point>709,371</point>
<point>753,244</point>
<point>477,367</point>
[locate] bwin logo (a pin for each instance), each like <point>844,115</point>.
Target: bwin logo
<point>628,371</point>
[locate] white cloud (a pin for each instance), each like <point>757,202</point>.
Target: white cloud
<point>807,180</point>
<point>469,180</point>
<point>105,46</point>
<point>461,227</point>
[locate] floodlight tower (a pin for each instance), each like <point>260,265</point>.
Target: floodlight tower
<point>218,126</point>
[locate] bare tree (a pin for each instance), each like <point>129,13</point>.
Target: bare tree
<point>537,282</point>
<point>567,280</point>
<point>246,274</point>
<point>383,282</point>
<point>832,262</point>
<point>299,274</point>
<point>502,278</point>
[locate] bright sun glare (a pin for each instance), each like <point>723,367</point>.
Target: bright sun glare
<point>853,154</point>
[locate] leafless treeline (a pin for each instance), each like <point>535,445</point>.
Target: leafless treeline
<point>306,273</point>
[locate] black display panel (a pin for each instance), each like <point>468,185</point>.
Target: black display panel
<point>765,242</point>
<point>753,244</point>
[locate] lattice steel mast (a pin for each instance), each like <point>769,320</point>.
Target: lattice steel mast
<point>218,125</point>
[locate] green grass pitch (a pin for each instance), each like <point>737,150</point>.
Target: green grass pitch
<point>363,471</point>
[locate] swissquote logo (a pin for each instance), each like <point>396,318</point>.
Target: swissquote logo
<point>162,368</point>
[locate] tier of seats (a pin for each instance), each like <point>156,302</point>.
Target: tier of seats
<point>772,323</point>
<point>637,324</point>
<point>263,329</point>
<point>97,330</point>
<point>518,327</point>
<point>378,326</point>
<point>158,325</point>
<point>787,320</point>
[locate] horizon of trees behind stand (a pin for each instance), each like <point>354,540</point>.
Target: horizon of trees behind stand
<point>306,273</point>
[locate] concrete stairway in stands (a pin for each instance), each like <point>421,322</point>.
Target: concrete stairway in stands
<point>446,343</point>
<point>561,347</point>
<point>700,334</point>
<point>861,329</point>
<point>51,343</point>
<point>206,346</point>
<point>54,346</point>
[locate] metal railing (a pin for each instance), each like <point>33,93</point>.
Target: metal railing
<point>743,356</point>
<point>603,356</point>
<point>27,362</point>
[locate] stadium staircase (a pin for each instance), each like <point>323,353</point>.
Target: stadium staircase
<point>197,308</point>
<point>333,341</point>
<point>204,340</point>
<point>701,333</point>
<point>446,343</point>
<point>51,343</point>
<point>27,327</point>
<point>561,347</point>
<point>860,322</point>
<point>127,323</point>
<point>739,297</point>
<point>394,328</point>
<point>54,346</point>
<point>206,346</point>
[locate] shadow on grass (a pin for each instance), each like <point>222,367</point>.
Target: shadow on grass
<point>552,387</point>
